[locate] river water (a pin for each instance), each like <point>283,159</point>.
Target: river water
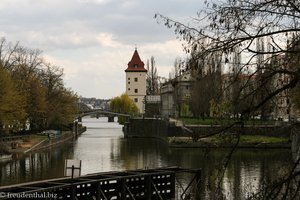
<point>103,148</point>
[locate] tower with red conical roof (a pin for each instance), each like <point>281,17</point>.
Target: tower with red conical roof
<point>136,81</point>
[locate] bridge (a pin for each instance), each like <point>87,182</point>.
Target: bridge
<point>160,183</point>
<point>97,112</point>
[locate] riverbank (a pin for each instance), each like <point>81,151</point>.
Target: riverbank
<point>176,134</point>
<point>35,142</point>
<point>245,141</point>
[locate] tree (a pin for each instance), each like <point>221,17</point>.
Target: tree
<point>230,24</point>
<point>37,105</point>
<point>61,102</point>
<point>7,54</point>
<point>152,77</point>
<point>39,86</point>
<point>123,104</point>
<point>62,109</point>
<point>207,87</point>
<point>12,106</point>
<point>178,68</point>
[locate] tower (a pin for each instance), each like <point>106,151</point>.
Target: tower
<point>136,81</point>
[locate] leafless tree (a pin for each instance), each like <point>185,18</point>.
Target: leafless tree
<point>35,83</point>
<point>229,24</point>
<point>207,86</point>
<point>267,34</point>
<point>152,77</point>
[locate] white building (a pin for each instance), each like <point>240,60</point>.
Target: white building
<point>136,81</point>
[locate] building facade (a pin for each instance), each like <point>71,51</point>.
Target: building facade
<point>168,107</point>
<point>176,96</point>
<point>136,81</point>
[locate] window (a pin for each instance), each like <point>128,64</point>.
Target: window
<point>135,79</point>
<point>135,90</point>
<point>128,88</point>
<point>128,82</point>
<point>129,78</point>
<point>135,66</point>
<point>136,100</point>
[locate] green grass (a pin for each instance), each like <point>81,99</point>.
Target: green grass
<point>214,121</point>
<point>262,139</point>
<point>248,139</point>
<point>35,138</point>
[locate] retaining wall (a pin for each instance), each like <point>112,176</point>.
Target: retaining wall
<point>146,127</point>
<point>153,127</point>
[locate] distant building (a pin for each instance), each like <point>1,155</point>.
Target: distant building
<point>282,110</point>
<point>94,103</point>
<point>152,105</point>
<point>176,96</point>
<point>136,81</point>
<point>168,107</point>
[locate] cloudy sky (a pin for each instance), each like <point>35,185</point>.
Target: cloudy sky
<point>93,40</point>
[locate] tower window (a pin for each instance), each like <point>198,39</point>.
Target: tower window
<point>136,100</point>
<point>135,90</point>
<point>129,78</point>
<point>128,88</point>
<point>135,79</point>
<point>128,82</point>
<point>135,66</point>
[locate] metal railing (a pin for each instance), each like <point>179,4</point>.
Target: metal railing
<point>134,184</point>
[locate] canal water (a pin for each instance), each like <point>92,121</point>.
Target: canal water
<point>103,148</point>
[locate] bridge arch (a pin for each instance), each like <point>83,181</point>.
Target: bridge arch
<point>107,113</point>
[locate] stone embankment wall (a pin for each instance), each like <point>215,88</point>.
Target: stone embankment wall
<point>153,127</point>
<point>146,127</point>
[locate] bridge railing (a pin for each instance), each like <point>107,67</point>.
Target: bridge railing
<point>101,111</point>
<point>136,184</point>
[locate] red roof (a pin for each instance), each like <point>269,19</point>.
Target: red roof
<point>136,64</point>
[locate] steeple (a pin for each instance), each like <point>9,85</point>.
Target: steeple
<point>136,64</point>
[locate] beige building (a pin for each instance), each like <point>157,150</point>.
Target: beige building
<point>176,96</point>
<point>136,81</point>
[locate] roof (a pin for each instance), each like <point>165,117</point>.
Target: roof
<point>136,64</point>
<point>185,77</point>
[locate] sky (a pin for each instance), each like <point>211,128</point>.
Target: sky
<point>93,40</point>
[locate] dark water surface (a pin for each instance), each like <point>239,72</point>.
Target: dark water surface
<point>103,148</point>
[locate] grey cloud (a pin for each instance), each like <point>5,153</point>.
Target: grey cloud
<point>70,32</point>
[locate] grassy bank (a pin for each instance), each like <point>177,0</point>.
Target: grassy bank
<point>229,141</point>
<point>216,121</point>
<point>249,139</point>
<point>27,143</point>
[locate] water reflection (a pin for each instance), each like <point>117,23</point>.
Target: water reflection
<point>36,166</point>
<point>103,148</point>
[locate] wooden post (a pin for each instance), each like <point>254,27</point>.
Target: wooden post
<point>75,128</point>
